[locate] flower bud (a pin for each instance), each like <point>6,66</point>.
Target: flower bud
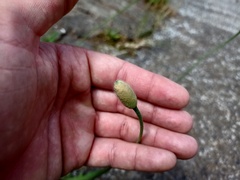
<point>125,93</point>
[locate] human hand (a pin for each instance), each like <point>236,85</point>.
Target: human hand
<point>58,111</point>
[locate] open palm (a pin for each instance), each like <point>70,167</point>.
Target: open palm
<point>58,111</point>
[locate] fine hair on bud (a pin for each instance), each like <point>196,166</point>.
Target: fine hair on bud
<point>125,93</point>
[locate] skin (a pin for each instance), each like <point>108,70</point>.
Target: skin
<point>58,111</point>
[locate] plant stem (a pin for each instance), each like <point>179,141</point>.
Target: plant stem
<point>141,124</point>
<point>206,55</point>
<point>89,176</point>
<point>92,175</point>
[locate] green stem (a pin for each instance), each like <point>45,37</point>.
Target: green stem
<point>97,173</point>
<point>141,124</point>
<point>92,175</point>
<point>89,176</point>
<point>205,56</point>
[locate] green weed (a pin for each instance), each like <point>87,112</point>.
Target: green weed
<point>51,36</point>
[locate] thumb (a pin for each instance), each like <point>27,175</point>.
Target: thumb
<point>38,15</point>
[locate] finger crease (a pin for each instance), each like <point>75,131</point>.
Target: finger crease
<point>154,114</point>
<point>119,106</point>
<point>151,87</point>
<point>122,72</point>
<point>124,129</point>
<point>155,137</point>
<point>135,158</point>
<point>112,154</point>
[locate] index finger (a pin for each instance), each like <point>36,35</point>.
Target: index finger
<point>156,89</point>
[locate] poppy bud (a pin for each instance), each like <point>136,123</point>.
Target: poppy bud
<point>125,93</point>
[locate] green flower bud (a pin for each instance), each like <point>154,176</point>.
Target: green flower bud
<point>125,93</point>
